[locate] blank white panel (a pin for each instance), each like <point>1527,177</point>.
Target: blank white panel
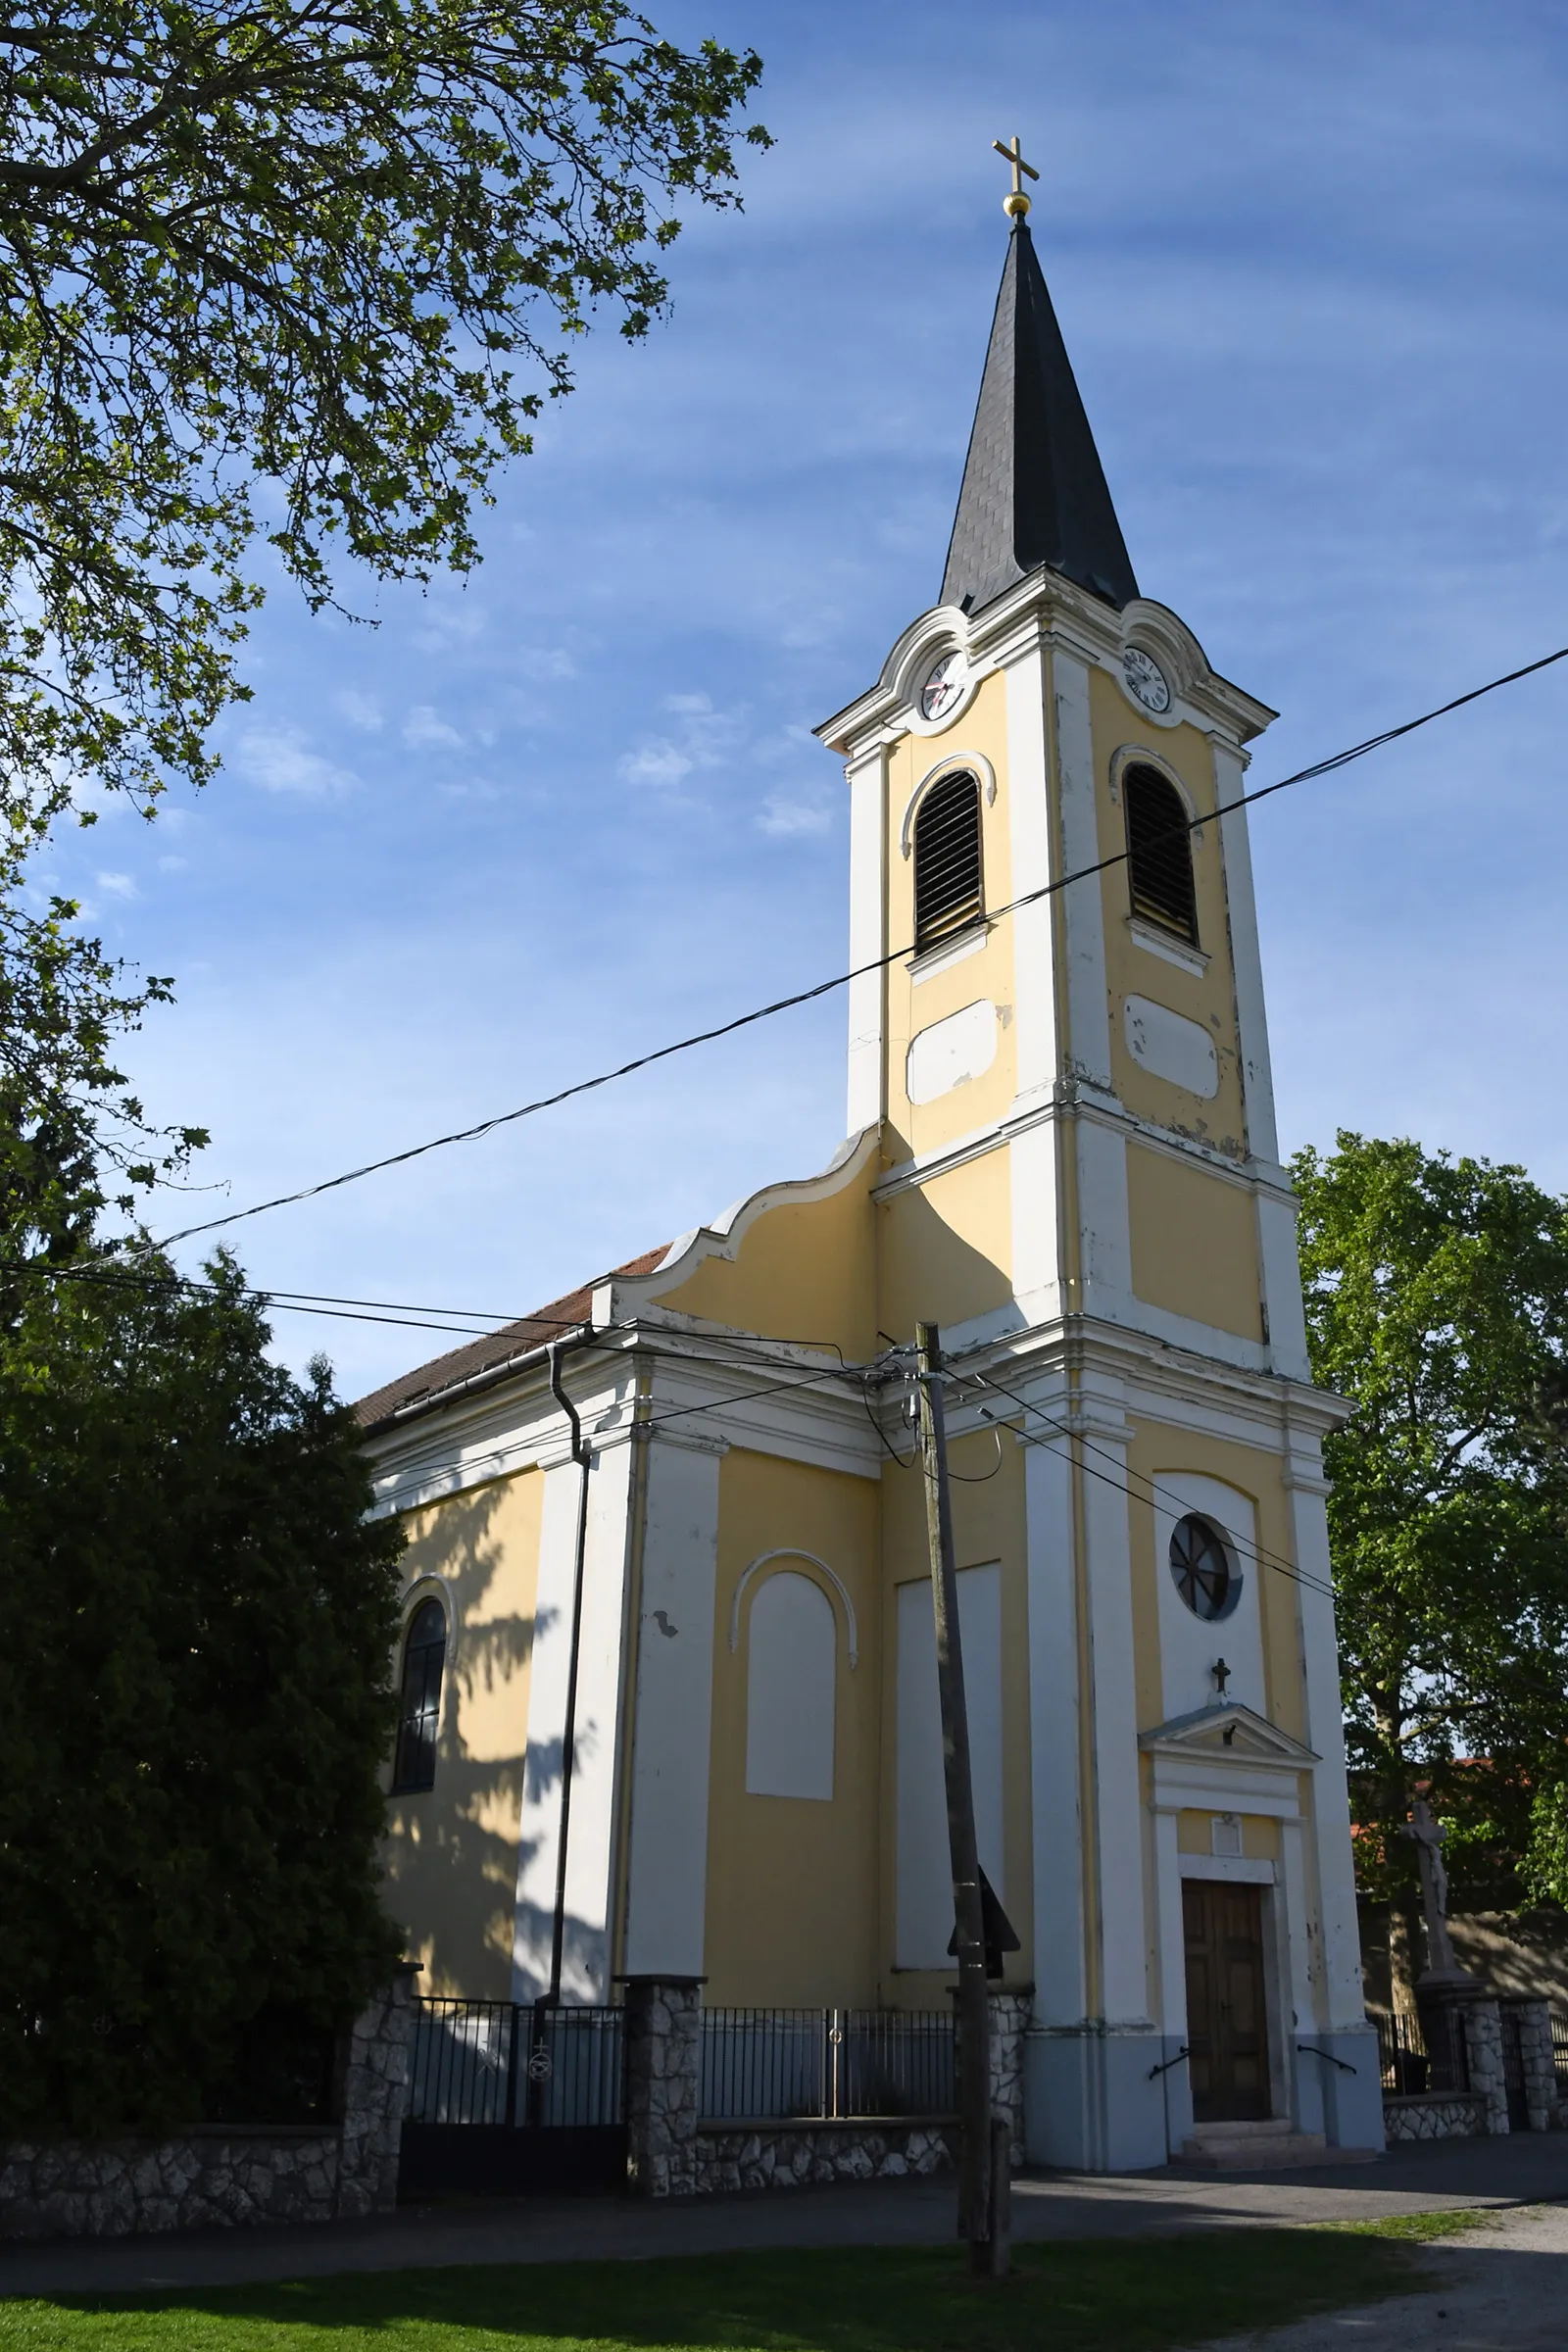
<point>924,1922</point>
<point>792,1653</point>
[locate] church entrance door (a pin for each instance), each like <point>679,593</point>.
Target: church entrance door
<point>1227,2029</point>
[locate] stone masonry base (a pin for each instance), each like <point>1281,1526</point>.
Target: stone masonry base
<point>121,2187</point>
<point>771,2155</point>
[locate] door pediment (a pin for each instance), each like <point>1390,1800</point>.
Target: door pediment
<point>1226,1733</point>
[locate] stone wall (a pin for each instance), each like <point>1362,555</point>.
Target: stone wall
<point>1418,2117</point>
<point>672,2152</point>
<point>799,2155</point>
<point>221,2173</point>
<point>664,2066</point>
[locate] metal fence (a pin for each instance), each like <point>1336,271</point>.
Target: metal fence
<point>1560,2051</point>
<point>509,2062</point>
<point>1415,2059</point>
<point>825,2063</point>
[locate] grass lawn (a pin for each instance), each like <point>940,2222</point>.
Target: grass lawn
<point>1116,2295</point>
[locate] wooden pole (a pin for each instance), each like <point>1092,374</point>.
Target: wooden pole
<point>974,2008</point>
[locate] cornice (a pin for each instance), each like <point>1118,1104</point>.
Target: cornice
<point>1043,609</point>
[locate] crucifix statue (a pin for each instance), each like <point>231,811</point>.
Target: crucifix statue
<point>1017,204</point>
<point>1427,1836</point>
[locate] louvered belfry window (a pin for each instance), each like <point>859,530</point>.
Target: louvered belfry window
<point>1159,851</point>
<point>425,1658</point>
<point>946,859</point>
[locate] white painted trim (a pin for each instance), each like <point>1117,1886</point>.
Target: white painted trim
<point>429,1586</point>
<point>1139,755</point>
<point>1239,1870</point>
<point>1120,1926</point>
<point>1056,1891</point>
<point>1087,1042</point>
<point>866,1008</point>
<point>725,1236</point>
<point>1047,602</point>
<point>1167,947</point>
<point>1252,1021</point>
<point>667,1842</point>
<point>791,1552</point>
<point>951,763</point>
<point>1037,1046</point>
<point>956,949</point>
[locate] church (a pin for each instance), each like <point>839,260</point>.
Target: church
<point>667,1672</point>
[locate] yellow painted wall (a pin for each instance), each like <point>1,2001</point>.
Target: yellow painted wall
<point>1131,969</point>
<point>1260,1836</point>
<point>450,1851</point>
<point>988,1519</point>
<point>791,1902</point>
<point>914,1006</point>
<point>1158,1448</point>
<point>803,1270</point>
<point>1194,1238</point>
<point>947,1246</point>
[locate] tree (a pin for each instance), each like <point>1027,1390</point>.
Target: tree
<point>1436,1299</point>
<point>199,1622</point>
<point>265,267</point>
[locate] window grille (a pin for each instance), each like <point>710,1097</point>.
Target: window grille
<point>1159,851</point>
<point>425,1658</point>
<point>947,859</point>
<point>1202,1568</point>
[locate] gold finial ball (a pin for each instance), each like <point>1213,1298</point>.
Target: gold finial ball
<point>1016,205</point>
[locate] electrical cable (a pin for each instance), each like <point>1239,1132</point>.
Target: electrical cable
<point>877,963</point>
<point>1261,1557</point>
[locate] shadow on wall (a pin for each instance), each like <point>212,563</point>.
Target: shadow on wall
<point>930,1270</point>
<point>451,1853</point>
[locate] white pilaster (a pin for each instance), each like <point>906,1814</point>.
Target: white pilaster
<point>1117,1814</point>
<point>1032,1158</point>
<point>1055,1799</point>
<point>1339,2002</point>
<point>868,995</point>
<point>1088,1041</point>
<point>1236,858</point>
<point>585,1956</point>
<point>667,1874</point>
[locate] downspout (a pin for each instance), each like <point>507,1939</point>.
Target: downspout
<point>582,1455</point>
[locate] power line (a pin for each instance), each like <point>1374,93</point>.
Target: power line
<point>1262,1558</point>
<point>822,988</point>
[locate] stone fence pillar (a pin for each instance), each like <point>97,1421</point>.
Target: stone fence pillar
<point>373,2089</point>
<point>664,2055</point>
<point>1010,2013</point>
<point>1534,2013</point>
<point>1476,2013</point>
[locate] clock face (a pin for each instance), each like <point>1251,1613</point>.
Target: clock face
<point>1146,682</point>
<point>945,686</point>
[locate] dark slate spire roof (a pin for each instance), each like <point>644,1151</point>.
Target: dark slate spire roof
<point>1033,489</point>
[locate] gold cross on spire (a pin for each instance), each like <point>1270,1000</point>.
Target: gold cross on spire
<point>1017,204</point>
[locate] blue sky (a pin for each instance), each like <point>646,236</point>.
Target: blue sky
<point>1310,264</point>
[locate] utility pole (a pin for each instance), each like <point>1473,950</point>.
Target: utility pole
<point>980,2206</point>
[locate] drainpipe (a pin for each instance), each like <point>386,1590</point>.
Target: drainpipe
<point>582,1455</point>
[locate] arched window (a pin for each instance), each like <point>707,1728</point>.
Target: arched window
<point>792,1646</point>
<point>1200,1564</point>
<point>946,859</point>
<point>425,1655</point>
<point>1159,851</point>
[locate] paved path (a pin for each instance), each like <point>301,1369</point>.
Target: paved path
<point>1528,2169</point>
<point>1503,2288</point>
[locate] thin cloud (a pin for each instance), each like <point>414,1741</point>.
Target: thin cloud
<point>424,731</point>
<point>279,759</point>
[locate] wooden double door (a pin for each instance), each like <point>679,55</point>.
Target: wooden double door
<point>1227,2024</point>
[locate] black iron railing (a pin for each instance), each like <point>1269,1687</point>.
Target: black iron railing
<point>826,2063</point>
<point>517,2063</point>
<point>1419,2056</point>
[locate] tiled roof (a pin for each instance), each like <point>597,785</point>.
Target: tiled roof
<point>1034,490</point>
<point>460,1365</point>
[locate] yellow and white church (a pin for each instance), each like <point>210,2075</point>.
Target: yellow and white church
<point>668,1674</point>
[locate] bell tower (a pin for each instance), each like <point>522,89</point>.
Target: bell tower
<point>1061,1042</point>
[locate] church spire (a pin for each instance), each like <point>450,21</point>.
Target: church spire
<point>1033,488</point>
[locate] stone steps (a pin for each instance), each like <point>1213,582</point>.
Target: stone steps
<point>1263,2147</point>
